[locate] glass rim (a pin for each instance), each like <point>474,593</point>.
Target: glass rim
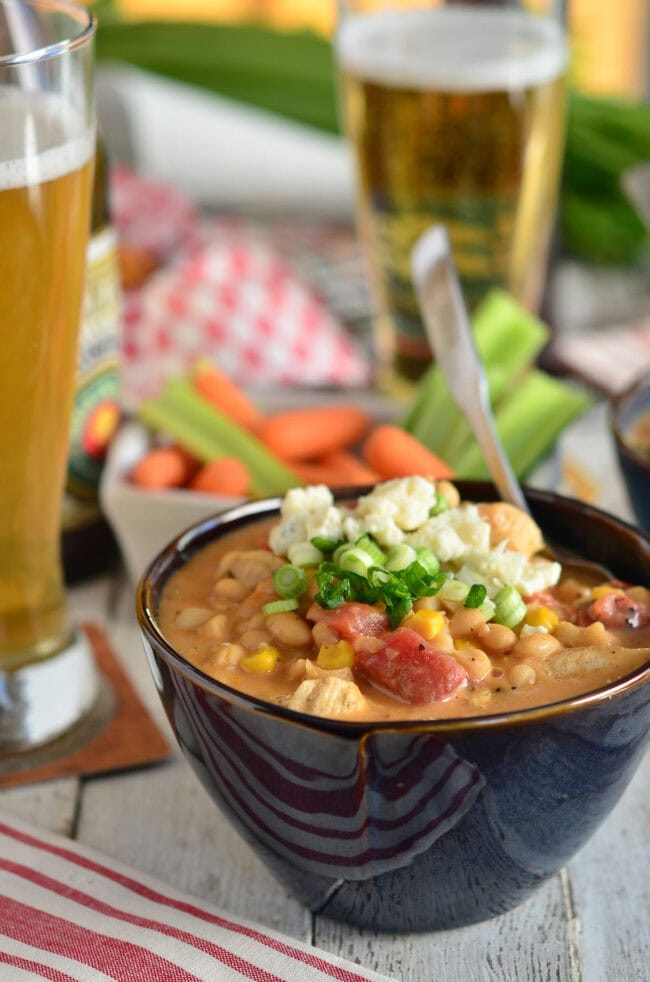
<point>81,15</point>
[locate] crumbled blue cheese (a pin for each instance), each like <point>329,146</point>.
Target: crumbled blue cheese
<point>391,510</point>
<point>453,533</point>
<point>501,567</point>
<point>305,513</point>
<point>398,511</point>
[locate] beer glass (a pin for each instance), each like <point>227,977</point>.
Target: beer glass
<point>47,139</point>
<point>455,114</point>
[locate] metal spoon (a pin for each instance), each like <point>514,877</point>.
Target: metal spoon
<point>448,328</point>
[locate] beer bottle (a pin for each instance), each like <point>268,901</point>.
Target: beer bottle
<point>88,545</point>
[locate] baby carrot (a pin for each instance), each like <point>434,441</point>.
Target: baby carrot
<point>220,391</point>
<point>337,470</point>
<point>307,434</point>
<point>225,475</point>
<point>162,467</point>
<point>392,452</point>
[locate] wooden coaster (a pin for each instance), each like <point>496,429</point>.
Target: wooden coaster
<point>118,733</point>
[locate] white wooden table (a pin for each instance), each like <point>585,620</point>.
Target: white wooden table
<point>590,923</point>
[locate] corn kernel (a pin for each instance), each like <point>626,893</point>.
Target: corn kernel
<point>427,623</point>
<point>541,617</point>
<point>261,661</point>
<point>460,643</point>
<point>602,591</point>
<point>339,655</point>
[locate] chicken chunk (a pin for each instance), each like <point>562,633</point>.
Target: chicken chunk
<point>250,566</point>
<point>514,526</point>
<point>576,661</point>
<point>306,668</point>
<point>329,696</point>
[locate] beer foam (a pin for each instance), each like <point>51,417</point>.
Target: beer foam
<point>453,49</point>
<point>43,138</point>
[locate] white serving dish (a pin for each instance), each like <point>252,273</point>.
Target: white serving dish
<point>145,521</point>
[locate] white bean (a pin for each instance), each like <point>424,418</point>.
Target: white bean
<point>475,661</point>
<point>217,627</point>
<point>465,622</point>
<point>538,645</point>
<point>289,629</point>
<point>191,617</point>
<point>496,638</point>
<point>254,639</point>
<point>522,675</point>
<point>230,589</point>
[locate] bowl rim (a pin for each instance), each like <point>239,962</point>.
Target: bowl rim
<point>199,534</point>
<point>618,407</point>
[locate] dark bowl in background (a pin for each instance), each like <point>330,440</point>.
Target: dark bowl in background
<point>411,826</point>
<point>635,466</point>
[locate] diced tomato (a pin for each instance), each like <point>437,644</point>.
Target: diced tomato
<point>617,610</point>
<point>540,599</point>
<point>351,620</point>
<point>411,668</point>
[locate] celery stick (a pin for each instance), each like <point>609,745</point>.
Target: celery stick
<point>158,416</point>
<point>197,425</point>
<point>507,338</point>
<point>529,421</point>
<point>459,437</point>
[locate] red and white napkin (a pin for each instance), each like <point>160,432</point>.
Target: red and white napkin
<point>221,291</point>
<point>67,913</point>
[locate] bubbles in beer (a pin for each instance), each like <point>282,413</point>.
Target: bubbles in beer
<point>453,50</point>
<point>42,138</point>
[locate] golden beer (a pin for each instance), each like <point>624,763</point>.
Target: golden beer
<point>455,116</point>
<point>44,222</point>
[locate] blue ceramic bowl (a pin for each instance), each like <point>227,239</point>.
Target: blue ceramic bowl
<point>635,467</point>
<point>412,826</point>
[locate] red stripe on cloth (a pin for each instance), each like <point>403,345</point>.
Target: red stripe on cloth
<point>314,961</point>
<point>125,961</point>
<point>241,965</point>
<point>45,971</point>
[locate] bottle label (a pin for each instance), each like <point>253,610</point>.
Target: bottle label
<point>95,413</point>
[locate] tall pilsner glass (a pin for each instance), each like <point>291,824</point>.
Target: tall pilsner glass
<point>47,139</point>
<point>455,113</point>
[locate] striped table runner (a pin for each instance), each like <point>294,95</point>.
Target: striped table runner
<point>68,913</point>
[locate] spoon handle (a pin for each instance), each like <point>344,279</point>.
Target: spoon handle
<point>450,335</point>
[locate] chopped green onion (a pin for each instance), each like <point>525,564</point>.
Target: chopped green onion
<point>338,552</point>
<point>378,576</point>
<point>289,581</point>
<point>279,606</point>
<point>441,504</point>
<point>325,545</point>
<point>355,560</point>
<point>476,596</point>
<point>427,559</point>
<point>368,544</point>
<point>332,591</point>
<point>510,608</point>
<point>420,582</point>
<point>454,590</point>
<point>354,574</point>
<point>399,557</point>
<point>487,608</point>
<point>398,611</point>
<point>304,554</point>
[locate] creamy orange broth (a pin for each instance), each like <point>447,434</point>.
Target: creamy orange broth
<point>215,619</point>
